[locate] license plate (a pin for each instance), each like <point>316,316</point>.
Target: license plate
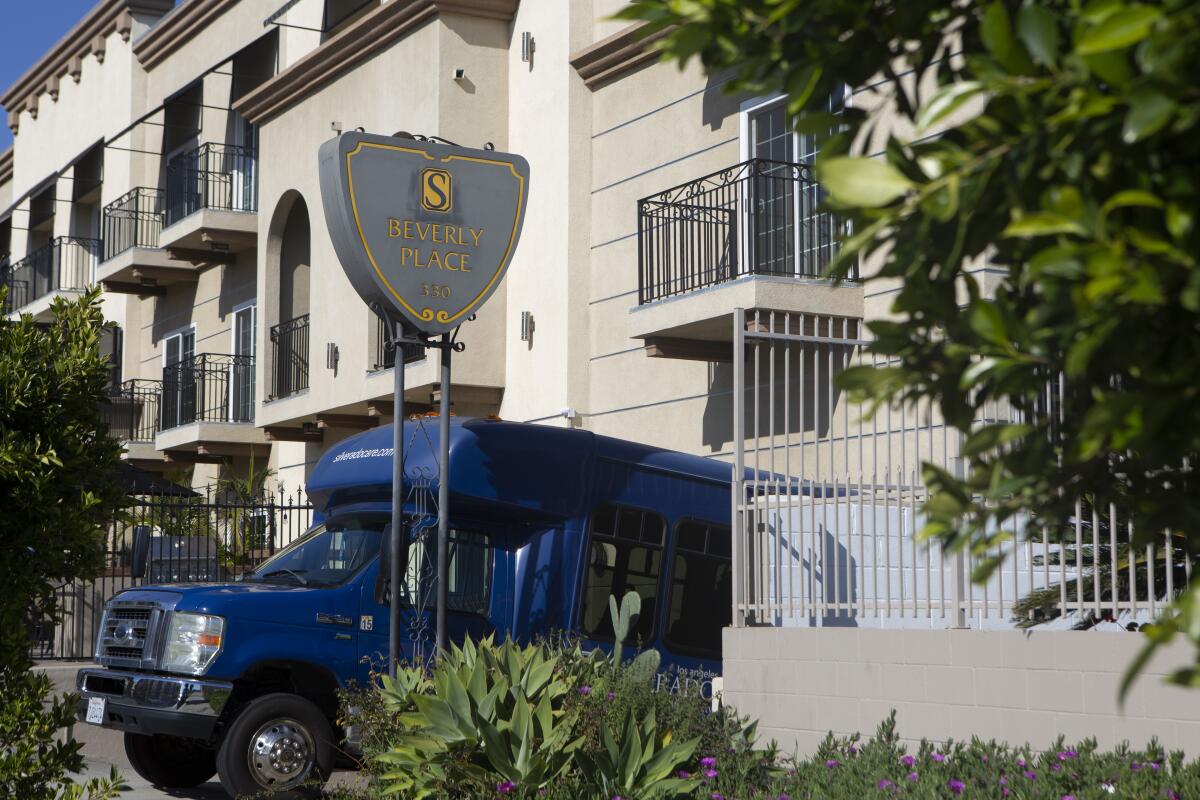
<point>95,710</point>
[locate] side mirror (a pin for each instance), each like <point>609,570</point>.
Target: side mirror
<point>385,566</point>
<point>141,550</point>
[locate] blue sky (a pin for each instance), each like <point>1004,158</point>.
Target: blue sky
<point>29,30</point>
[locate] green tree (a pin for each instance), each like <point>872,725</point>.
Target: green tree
<point>1073,173</point>
<point>59,483</point>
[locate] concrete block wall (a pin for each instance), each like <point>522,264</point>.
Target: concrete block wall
<point>1012,686</point>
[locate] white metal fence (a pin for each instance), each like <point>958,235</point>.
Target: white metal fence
<point>829,507</point>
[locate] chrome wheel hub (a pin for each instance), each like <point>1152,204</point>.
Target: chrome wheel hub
<point>281,753</point>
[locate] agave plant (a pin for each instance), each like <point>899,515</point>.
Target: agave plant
<point>489,710</point>
<point>642,764</point>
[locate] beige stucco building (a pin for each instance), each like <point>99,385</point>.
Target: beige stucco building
<point>168,153</point>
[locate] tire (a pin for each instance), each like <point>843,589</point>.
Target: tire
<point>293,729</point>
<point>170,762</point>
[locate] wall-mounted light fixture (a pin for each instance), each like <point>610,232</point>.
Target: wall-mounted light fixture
<point>527,327</point>
<point>336,127</point>
<point>331,356</point>
<point>459,73</point>
<point>526,47</point>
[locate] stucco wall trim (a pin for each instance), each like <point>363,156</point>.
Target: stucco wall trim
<point>173,32</point>
<point>357,43</point>
<point>87,37</point>
<point>612,57</point>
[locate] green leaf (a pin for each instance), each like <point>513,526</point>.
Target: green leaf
<point>946,101</point>
<point>997,35</point>
<point>989,323</point>
<point>989,437</point>
<point>1125,27</point>
<point>863,182</point>
<point>1149,111</point>
<point>1042,223</point>
<point>1037,28</point>
<point>1132,197</point>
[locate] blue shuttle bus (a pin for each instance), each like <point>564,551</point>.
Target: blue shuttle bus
<point>240,679</point>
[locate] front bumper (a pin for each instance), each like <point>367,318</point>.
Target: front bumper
<point>144,703</point>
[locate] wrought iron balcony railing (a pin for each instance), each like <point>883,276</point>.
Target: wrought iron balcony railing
<point>289,357</point>
<point>755,218</point>
<point>132,413</point>
<point>208,387</point>
<point>66,262</point>
<point>133,220</point>
<point>218,176</point>
<point>385,357</point>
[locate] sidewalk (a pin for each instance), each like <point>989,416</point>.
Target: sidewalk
<point>104,749</point>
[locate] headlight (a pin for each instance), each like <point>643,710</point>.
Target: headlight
<point>193,642</point>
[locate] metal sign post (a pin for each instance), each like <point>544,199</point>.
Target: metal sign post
<point>424,231</point>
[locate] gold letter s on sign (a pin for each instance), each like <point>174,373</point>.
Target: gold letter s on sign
<point>436,190</point>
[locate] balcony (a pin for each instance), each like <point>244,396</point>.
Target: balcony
<point>385,355</point>
<point>751,236</point>
<point>63,265</point>
<point>133,263</point>
<point>289,358</point>
<point>207,409</point>
<point>211,203</point>
<point>132,417</point>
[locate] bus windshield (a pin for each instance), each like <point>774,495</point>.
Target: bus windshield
<point>326,556</point>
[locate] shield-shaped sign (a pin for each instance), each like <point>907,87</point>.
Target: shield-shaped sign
<point>424,230</point>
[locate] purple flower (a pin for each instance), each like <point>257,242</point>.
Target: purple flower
<point>908,761</point>
<point>585,690</point>
<point>612,695</point>
<point>1031,775</point>
<point>1153,765</point>
<point>710,773</point>
<point>1066,755</point>
<point>684,775</point>
<point>504,787</point>
<point>1172,795</point>
<point>852,750</point>
<point>1067,797</point>
<point>708,761</point>
<point>789,797</point>
<point>1005,792</point>
<point>885,784</point>
<point>1135,766</point>
<point>1020,762</point>
<point>831,763</point>
<point>718,796</point>
<point>984,759</point>
<point>956,786</point>
<point>938,757</point>
<point>1055,767</point>
<point>912,776</point>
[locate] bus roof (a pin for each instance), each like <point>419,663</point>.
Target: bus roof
<point>532,467</point>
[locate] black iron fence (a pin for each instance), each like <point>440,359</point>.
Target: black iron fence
<point>385,356</point>
<point>133,220</point>
<point>132,413</point>
<point>208,387</point>
<point>214,534</point>
<point>66,262</point>
<point>218,176</point>
<point>289,357</point>
<point>755,218</point>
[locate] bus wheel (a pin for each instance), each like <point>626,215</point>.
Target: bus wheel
<point>280,745</point>
<point>170,762</point>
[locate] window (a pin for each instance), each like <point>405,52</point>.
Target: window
<point>700,602</point>
<point>624,553</point>
<point>179,379</point>
<point>468,573</point>
<point>327,556</point>
<point>341,12</point>
<point>788,235</point>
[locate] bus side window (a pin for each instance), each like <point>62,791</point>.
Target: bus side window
<point>624,553</point>
<point>468,571</point>
<point>700,601</point>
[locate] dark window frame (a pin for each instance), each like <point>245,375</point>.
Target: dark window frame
<point>489,537</point>
<point>612,538</point>
<point>674,647</point>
